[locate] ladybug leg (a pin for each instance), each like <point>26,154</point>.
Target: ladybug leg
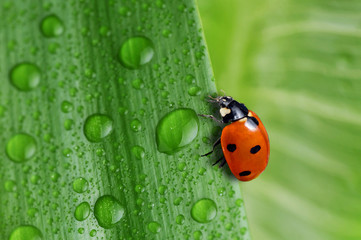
<point>222,163</point>
<point>211,117</point>
<point>219,161</point>
<point>214,146</point>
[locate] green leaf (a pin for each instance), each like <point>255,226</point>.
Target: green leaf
<point>296,64</point>
<point>84,86</point>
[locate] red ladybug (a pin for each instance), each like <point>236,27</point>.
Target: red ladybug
<point>245,142</point>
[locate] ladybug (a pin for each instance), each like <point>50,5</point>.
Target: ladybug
<point>244,141</point>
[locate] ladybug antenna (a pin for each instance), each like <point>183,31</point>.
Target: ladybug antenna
<point>212,99</point>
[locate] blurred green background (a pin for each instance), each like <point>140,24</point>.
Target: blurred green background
<point>297,65</point>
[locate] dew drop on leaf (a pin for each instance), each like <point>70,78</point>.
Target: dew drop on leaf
<point>51,26</point>
<point>80,185</point>
<point>176,130</point>
<point>180,219</point>
<point>204,210</point>
<point>138,152</point>
<point>66,106</point>
<point>97,127</point>
<point>21,147</point>
<point>136,125</point>
<point>108,211</point>
<point>154,227</point>
<point>135,52</point>
<point>26,232</point>
<point>25,76</point>
<point>194,91</point>
<point>82,211</point>
<point>10,186</point>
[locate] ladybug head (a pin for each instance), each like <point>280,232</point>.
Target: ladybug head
<point>223,101</point>
<point>230,109</point>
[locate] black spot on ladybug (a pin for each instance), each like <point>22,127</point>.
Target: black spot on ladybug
<point>254,120</point>
<point>231,147</point>
<point>244,173</point>
<point>255,149</point>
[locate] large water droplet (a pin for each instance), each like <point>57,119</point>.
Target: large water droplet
<point>204,210</point>
<point>176,130</point>
<point>154,227</point>
<point>25,76</point>
<point>108,211</point>
<point>82,211</point>
<point>21,147</point>
<point>52,26</point>
<point>97,127</point>
<point>80,185</point>
<point>26,232</point>
<point>136,51</point>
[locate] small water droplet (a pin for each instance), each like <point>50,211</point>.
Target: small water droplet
<point>10,186</point>
<point>138,152</point>
<point>21,147</point>
<point>176,130</point>
<point>137,83</point>
<point>68,124</point>
<point>25,76</point>
<point>66,106</point>
<point>139,188</point>
<point>177,201</point>
<point>136,125</point>
<point>162,189</point>
<point>194,91</point>
<point>82,211</point>
<point>135,52</point>
<point>97,127</point>
<point>26,232</point>
<point>204,210</point>
<point>108,211</point>
<point>154,227</point>
<point>51,26</point>
<point>93,233</point>
<point>180,219</point>
<point>197,235</point>
<point>80,185</point>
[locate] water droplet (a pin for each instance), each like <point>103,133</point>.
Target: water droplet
<point>180,219</point>
<point>66,106</point>
<point>177,201</point>
<point>197,235</point>
<point>26,232</point>
<point>154,227</point>
<point>194,91</point>
<point>139,188</point>
<point>136,125</point>
<point>108,211</point>
<point>25,76</point>
<point>204,210</point>
<point>68,124</point>
<point>32,212</point>
<point>10,186</point>
<point>138,152</point>
<point>52,26</point>
<point>229,226</point>
<point>21,147</point>
<point>176,130</point>
<point>137,83</point>
<point>93,233</point>
<point>135,52</point>
<point>80,185</point>
<point>162,189</point>
<point>82,211</point>
<point>97,127</point>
